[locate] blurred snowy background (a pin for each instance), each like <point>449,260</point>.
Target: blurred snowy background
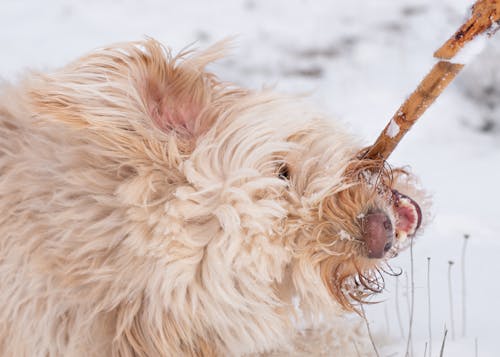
<point>358,60</point>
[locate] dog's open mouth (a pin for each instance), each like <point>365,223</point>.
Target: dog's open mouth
<point>384,236</point>
<point>408,216</point>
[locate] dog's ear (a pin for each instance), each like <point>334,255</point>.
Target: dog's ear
<point>176,91</point>
<point>131,86</point>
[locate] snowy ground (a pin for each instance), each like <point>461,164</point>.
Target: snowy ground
<point>357,59</point>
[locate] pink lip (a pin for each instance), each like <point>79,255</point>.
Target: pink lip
<point>409,213</point>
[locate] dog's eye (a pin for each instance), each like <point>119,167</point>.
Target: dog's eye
<point>284,172</point>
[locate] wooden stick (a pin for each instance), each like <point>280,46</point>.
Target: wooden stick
<point>429,89</point>
<point>485,14</point>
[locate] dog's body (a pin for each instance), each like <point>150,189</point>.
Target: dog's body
<point>150,210</point>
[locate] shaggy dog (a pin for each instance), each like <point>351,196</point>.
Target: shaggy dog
<point>149,209</point>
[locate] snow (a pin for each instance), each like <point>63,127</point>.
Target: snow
<point>358,59</point>
<point>471,49</point>
<point>393,129</point>
<point>344,235</point>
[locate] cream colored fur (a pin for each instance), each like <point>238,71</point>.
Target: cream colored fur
<point>143,215</point>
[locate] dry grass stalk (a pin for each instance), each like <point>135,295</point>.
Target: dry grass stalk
<point>387,323</point>
<point>429,304</point>
<point>485,14</point>
<point>356,349</point>
<point>464,288</point>
<point>409,343</point>
<point>369,330</point>
<point>407,294</point>
<point>441,353</point>
<point>450,296</point>
<point>398,312</point>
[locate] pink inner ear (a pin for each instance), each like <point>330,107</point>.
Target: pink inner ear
<point>180,117</point>
<point>171,111</point>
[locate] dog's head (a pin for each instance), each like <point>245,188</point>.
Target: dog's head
<point>368,218</point>
<point>250,188</point>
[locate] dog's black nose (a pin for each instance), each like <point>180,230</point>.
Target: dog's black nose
<point>378,234</point>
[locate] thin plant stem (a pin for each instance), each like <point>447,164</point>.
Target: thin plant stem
<point>409,345</point>
<point>398,312</point>
<point>429,307</point>
<point>387,324</point>
<point>425,349</point>
<point>464,288</point>
<point>450,295</point>
<point>444,342</point>
<point>407,292</point>
<point>356,348</point>
<point>476,349</point>
<point>369,331</point>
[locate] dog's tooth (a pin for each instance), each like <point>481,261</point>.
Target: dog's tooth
<point>402,236</point>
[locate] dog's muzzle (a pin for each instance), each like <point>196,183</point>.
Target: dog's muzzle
<point>380,233</point>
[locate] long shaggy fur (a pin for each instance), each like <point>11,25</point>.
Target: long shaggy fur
<point>144,214</point>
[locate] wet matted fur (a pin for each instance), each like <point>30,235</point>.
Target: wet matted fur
<point>149,209</point>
